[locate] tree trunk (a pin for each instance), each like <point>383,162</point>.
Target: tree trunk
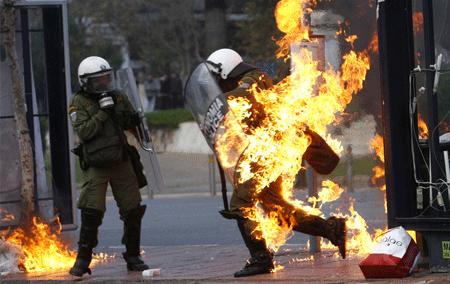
<point>8,26</point>
<point>215,25</point>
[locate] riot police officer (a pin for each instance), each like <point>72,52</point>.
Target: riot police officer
<point>235,78</point>
<point>99,115</point>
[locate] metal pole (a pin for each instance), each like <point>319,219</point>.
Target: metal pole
<point>59,131</point>
<point>432,100</point>
<point>311,182</point>
<point>149,192</point>
<point>349,169</point>
<point>396,61</point>
<point>212,174</point>
<point>447,171</point>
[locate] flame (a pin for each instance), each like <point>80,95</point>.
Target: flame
<point>42,250</point>
<point>269,155</point>
<point>412,234</point>
<point>351,39</point>
<point>102,257</point>
<point>272,227</point>
<point>330,192</point>
<point>418,57</point>
<point>378,177</point>
<point>373,45</point>
<point>378,145</point>
<point>361,242</point>
<point>417,21</point>
<point>297,259</point>
<point>289,16</point>
<point>423,128</point>
<point>445,127</point>
<point>277,267</point>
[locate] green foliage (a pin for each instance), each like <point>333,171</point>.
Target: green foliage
<point>256,36</point>
<point>83,44</point>
<point>257,33</point>
<point>169,119</point>
<point>162,35</point>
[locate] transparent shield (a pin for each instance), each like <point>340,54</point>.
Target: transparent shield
<point>200,92</point>
<point>126,83</point>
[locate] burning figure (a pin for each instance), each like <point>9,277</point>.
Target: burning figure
<point>212,92</point>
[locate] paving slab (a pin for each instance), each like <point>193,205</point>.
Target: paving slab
<point>217,263</point>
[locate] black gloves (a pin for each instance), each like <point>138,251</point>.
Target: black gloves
<point>135,119</point>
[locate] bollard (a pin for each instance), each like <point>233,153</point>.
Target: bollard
<point>349,169</point>
<point>150,194</point>
<point>212,174</point>
<point>447,170</point>
<point>311,183</point>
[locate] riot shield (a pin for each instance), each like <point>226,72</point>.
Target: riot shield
<point>217,122</point>
<point>127,84</point>
<point>206,101</point>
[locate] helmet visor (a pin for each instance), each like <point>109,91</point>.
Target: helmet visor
<point>100,83</point>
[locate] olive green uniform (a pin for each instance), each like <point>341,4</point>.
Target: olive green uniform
<point>105,157</point>
<point>243,195</point>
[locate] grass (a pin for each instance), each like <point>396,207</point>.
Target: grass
<point>361,166</point>
<point>168,119</point>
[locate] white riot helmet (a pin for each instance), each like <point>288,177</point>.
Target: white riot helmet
<point>95,75</point>
<point>223,61</point>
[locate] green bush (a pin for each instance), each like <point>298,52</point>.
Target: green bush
<point>361,166</point>
<point>168,119</point>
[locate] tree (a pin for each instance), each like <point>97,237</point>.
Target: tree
<point>86,40</point>
<point>256,36</point>
<point>163,34</point>
<point>215,25</point>
<point>257,33</point>
<point>170,28</point>
<point>8,26</point>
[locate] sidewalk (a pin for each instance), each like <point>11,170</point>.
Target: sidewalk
<point>211,264</point>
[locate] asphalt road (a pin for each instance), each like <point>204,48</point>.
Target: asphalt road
<point>194,220</point>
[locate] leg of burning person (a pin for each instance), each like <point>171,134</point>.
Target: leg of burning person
<point>332,228</point>
<point>261,258</point>
<point>92,204</point>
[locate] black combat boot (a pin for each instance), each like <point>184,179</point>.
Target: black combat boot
<point>132,238</point>
<point>337,234</point>
<point>91,219</point>
<point>261,260</point>
<point>332,228</point>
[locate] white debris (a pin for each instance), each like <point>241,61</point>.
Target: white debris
<point>151,272</point>
<point>9,258</point>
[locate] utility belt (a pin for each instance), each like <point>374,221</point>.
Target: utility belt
<point>108,151</point>
<point>101,152</point>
